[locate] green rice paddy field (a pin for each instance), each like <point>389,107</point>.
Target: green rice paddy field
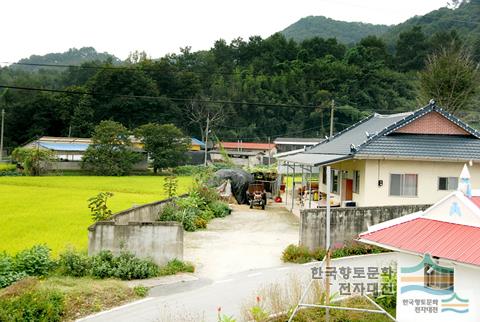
<point>53,209</point>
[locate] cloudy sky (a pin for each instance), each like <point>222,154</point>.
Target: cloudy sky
<point>160,27</point>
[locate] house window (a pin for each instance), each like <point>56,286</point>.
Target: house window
<point>438,278</point>
<point>356,181</point>
<point>447,183</point>
<point>403,185</point>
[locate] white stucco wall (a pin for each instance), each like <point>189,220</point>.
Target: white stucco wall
<point>428,174</point>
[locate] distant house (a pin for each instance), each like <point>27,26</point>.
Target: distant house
<point>244,153</point>
<point>397,159</point>
<point>438,264</point>
<point>291,144</point>
<point>197,145</point>
<point>64,149</point>
<point>69,152</point>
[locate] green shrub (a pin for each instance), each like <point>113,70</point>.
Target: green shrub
<point>296,254</point>
<point>128,267</point>
<point>34,305</point>
<point>35,261</point>
<point>175,266</point>
<point>220,209</point>
<point>140,290</point>
<point>103,265</point>
<point>8,273</point>
<point>188,170</point>
<point>125,266</point>
<point>72,263</point>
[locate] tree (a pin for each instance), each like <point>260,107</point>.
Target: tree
<point>451,78</point>
<point>98,206</point>
<point>35,161</point>
<point>111,153</point>
<point>165,144</point>
<point>411,50</point>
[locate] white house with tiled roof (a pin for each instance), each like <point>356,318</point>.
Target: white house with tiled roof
<point>398,159</point>
<point>438,262</point>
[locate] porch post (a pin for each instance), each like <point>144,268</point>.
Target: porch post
<point>293,185</point>
<point>327,224</point>
<point>310,189</point>
<point>286,182</point>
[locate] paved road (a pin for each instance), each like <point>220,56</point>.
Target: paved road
<point>198,300</point>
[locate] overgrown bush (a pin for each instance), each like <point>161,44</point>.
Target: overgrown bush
<point>103,265</point>
<point>35,261</point>
<point>301,254</point>
<point>188,170</point>
<point>129,267</point>
<point>8,272</point>
<point>175,266</point>
<point>296,254</point>
<point>35,305</point>
<point>195,210</point>
<point>7,169</point>
<point>220,209</point>
<point>72,263</point>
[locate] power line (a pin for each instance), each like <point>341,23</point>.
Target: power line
<point>175,99</point>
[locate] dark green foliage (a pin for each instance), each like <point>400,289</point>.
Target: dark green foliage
<point>125,266</point>
<point>176,266</point>
<point>128,267</point>
<point>165,144</point>
<point>319,26</point>
<point>35,261</point>
<point>103,264</point>
<point>412,50</point>
<point>8,272</point>
<point>111,153</point>
<point>219,209</point>
<point>34,305</point>
<point>72,263</point>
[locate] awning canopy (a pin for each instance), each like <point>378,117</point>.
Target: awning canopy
<point>315,160</point>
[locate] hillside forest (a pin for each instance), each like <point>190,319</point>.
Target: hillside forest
<point>249,90</point>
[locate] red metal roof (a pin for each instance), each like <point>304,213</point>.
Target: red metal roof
<point>476,200</point>
<point>247,145</point>
<point>442,239</point>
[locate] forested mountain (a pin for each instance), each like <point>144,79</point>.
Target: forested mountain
<point>465,20</point>
<point>251,90</point>
<point>323,27</point>
<point>71,57</point>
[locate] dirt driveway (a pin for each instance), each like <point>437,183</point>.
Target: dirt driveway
<point>247,239</point>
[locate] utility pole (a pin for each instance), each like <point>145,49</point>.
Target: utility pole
<point>331,118</point>
<point>1,135</point>
<point>206,140</point>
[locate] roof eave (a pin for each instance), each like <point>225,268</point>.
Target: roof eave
<point>408,158</point>
<point>399,250</point>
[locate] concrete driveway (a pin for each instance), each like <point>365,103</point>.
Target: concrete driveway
<point>247,239</point>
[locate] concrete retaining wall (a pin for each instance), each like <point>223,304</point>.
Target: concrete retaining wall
<point>138,231</point>
<point>142,213</point>
<point>346,223</point>
<point>161,241</point>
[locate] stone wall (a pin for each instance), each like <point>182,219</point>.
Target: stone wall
<point>160,241</point>
<point>346,223</point>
